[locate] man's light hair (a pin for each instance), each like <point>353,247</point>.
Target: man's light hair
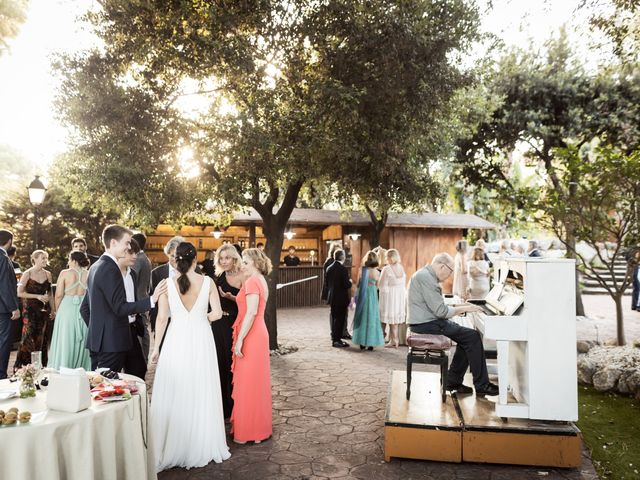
<point>173,244</point>
<point>442,259</point>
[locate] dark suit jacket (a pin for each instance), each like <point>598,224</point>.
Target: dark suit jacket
<point>92,259</point>
<point>325,286</point>
<point>157,275</point>
<point>339,285</point>
<point>535,253</point>
<point>636,289</point>
<point>8,285</point>
<point>105,308</point>
<point>142,267</point>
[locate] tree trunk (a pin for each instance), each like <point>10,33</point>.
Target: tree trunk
<point>377,226</point>
<point>571,249</point>
<point>619,320</point>
<point>274,233</point>
<point>273,227</point>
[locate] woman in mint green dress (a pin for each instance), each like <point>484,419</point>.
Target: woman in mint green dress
<point>69,331</point>
<point>367,330</point>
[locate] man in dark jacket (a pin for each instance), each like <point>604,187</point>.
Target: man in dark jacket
<point>8,300</point>
<point>105,307</point>
<point>338,296</point>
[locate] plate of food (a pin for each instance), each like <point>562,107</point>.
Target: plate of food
<point>6,394</point>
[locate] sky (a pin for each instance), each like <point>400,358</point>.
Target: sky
<point>27,84</point>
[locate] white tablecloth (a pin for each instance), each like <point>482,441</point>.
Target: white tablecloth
<point>106,441</point>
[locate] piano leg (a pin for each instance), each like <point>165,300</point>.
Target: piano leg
<point>503,371</point>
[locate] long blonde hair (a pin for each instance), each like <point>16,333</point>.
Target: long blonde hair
<point>260,260</point>
<point>232,252</point>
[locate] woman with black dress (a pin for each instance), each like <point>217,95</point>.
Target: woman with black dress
<point>229,280</point>
<point>34,289</point>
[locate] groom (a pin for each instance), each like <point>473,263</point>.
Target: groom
<point>106,308</point>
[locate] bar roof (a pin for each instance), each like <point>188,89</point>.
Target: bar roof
<point>310,216</point>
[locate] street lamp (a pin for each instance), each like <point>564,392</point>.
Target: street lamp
<point>37,191</point>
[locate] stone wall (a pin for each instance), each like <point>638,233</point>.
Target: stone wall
<point>607,368</point>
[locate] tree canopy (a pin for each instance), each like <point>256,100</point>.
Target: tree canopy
<point>268,97</point>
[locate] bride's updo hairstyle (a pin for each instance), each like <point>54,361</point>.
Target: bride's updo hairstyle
<point>185,253</point>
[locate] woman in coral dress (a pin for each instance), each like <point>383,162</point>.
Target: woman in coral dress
<point>251,416</point>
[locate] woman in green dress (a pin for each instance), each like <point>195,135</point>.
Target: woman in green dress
<point>367,331</point>
<point>70,332</point>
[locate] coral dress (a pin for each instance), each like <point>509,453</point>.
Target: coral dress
<point>251,416</point>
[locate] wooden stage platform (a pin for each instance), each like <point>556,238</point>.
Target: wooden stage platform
<point>466,429</point>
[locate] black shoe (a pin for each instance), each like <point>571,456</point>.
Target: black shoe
<point>340,344</point>
<point>362,347</point>
<point>346,337</point>
<point>460,389</point>
<point>489,389</point>
<point>370,349</point>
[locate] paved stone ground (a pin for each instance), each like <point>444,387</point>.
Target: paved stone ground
<point>601,322</point>
<point>329,407</point>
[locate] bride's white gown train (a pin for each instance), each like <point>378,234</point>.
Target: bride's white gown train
<point>186,405</point>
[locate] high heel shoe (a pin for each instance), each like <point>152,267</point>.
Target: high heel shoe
<point>362,347</point>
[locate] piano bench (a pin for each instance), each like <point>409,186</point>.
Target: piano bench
<point>430,350</point>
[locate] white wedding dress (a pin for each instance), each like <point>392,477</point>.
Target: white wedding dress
<point>186,405</point>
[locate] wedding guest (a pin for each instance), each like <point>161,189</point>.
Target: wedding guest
<point>338,296</point>
<point>9,309</point>
<point>367,329</point>
<point>35,288</point>
<point>519,250</point>
<point>333,246</point>
<point>208,264</point>
<point>505,249</point>
<point>292,260</point>
<point>533,250</point>
<point>68,344</point>
<point>393,304</point>
<point>135,363</point>
<point>460,287</point>
<point>260,246</point>
<point>478,269</point>
<point>163,272</point>
<point>635,291</point>
<point>11,253</point>
<point>142,268</point>
<point>251,416</point>
<point>79,244</point>
<point>229,281</point>
<point>186,410</point>
<point>480,243</point>
<point>105,308</point>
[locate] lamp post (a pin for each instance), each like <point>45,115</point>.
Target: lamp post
<point>37,191</point>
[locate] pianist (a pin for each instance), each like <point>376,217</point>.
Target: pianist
<point>429,314</point>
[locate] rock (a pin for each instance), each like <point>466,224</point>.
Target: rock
<point>586,369</point>
<point>607,377</point>
<point>611,368</point>
<point>585,345</point>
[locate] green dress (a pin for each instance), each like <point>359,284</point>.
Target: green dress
<point>70,332</point>
<point>367,330</point>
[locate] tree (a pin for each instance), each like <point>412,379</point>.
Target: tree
<point>546,102</point>
<point>59,223</point>
<point>620,24</point>
<point>12,14</point>
<point>275,112</point>
<point>602,209</point>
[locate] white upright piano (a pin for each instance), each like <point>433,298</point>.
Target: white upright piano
<point>531,315</point>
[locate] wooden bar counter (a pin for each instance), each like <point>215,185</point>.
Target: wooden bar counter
<point>303,294</point>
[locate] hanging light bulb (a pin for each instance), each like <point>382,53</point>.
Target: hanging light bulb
<point>216,233</point>
<point>354,236</point>
<point>290,234</point>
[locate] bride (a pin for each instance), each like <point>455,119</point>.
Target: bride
<point>186,408</point>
